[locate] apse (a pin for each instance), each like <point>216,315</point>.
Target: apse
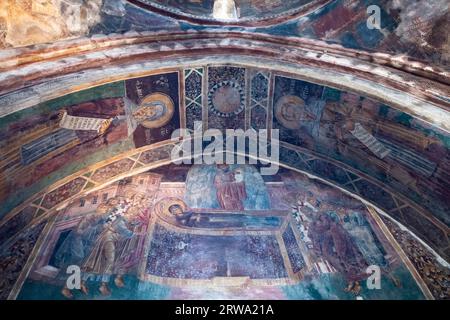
<point>136,139</point>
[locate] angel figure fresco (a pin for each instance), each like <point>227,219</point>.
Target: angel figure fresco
<point>339,236</point>
<point>356,224</point>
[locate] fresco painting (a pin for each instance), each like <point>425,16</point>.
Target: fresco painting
<point>37,144</point>
<point>193,79</point>
<point>259,99</point>
<point>150,236</point>
<point>369,137</point>
<point>146,110</point>
<point>226,97</point>
<point>14,258</point>
<point>255,9</point>
<point>155,101</point>
<point>91,92</point>
<point>402,153</point>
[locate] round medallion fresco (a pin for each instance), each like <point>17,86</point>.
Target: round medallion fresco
<point>155,111</point>
<point>290,111</point>
<point>226,99</point>
<point>232,11</point>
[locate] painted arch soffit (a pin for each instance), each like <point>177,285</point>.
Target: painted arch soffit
<point>422,98</point>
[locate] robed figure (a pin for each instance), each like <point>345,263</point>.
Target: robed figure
<point>101,260</point>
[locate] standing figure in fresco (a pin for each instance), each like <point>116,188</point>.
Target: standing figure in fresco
<point>76,246</point>
<point>130,249</point>
<point>332,242</point>
<point>230,188</point>
<point>101,260</point>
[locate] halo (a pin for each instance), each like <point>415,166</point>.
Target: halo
<point>166,203</point>
<point>143,112</point>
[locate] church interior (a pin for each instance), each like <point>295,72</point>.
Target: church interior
<point>98,203</point>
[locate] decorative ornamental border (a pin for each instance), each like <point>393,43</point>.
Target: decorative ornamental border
<point>265,20</point>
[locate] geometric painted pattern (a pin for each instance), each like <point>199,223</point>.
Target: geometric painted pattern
<point>259,99</point>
